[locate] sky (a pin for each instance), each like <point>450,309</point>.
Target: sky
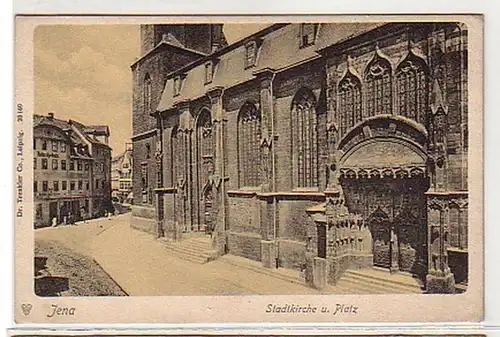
<point>83,73</point>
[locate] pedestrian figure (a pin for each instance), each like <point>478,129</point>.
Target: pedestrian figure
<point>65,220</point>
<point>70,218</point>
<point>82,214</point>
<point>54,221</point>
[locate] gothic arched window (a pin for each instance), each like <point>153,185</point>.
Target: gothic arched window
<point>411,89</point>
<point>378,80</point>
<point>178,152</point>
<point>304,139</point>
<point>249,134</point>
<point>147,93</point>
<point>205,143</point>
<point>349,102</point>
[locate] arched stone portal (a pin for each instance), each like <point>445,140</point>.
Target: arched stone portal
<point>382,172</point>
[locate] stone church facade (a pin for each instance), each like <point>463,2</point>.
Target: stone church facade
<point>316,147</point>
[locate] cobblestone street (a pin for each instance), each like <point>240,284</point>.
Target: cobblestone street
<point>142,266</point>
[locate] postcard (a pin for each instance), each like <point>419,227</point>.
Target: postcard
<point>248,169</point>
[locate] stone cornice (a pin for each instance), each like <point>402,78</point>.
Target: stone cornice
<point>145,134</point>
<point>215,92</point>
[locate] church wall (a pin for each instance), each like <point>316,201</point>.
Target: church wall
<point>140,160</point>
<point>293,230</point>
<point>285,87</point>
<point>233,100</point>
<point>251,216</point>
<point>282,145</point>
<point>244,232</point>
<point>232,150</point>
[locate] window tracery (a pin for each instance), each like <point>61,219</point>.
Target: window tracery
<point>147,93</point>
<point>411,89</point>
<point>350,111</point>
<point>378,79</point>
<point>304,139</point>
<point>249,135</point>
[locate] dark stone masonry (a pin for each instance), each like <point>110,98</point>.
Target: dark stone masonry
<point>316,147</point>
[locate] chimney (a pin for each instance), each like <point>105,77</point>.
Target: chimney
<point>51,115</point>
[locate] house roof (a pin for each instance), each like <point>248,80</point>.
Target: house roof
<point>65,126</point>
<point>100,130</point>
<point>168,41</point>
<point>331,34</point>
<point>280,49</point>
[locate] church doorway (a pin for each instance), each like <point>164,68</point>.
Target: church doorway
<point>395,211</point>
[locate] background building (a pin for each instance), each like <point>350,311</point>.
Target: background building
<point>72,168</point>
<point>121,175</point>
<point>317,147</point>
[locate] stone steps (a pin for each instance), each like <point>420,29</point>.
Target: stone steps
<point>284,274</point>
<point>195,249</point>
<point>373,281</point>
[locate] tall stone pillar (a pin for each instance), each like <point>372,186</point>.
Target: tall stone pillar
<point>186,188</point>
<point>219,235</point>
<point>160,212</point>
<point>439,278</point>
<point>265,77</point>
<point>269,244</point>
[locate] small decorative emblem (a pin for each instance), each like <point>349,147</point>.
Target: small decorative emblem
<point>26,308</point>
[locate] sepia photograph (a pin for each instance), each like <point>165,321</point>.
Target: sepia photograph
<point>216,159</point>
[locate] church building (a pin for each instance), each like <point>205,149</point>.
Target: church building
<point>315,147</point>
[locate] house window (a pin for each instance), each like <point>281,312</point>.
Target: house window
<point>411,89</point>
<point>304,139</point>
<point>63,147</point>
<point>55,146</point>
<point>56,186</point>
<point>55,164</point>
<point>378,80</point>
<point>86,166</point>
<point>79,165</point>
<point>34,163</point>
<point>177,85</point>
<point>35,186</point>
<point>72,185</point>
<point>209,72</point>
<point>148,151</point>
<point>45,163</point>
<point>97,183</point>
<point>34,144</point>
<point>45,186</point>
<point>71,165</point>
<point>63,165</point>
<point>308,34</point>
<point>44,145</point>
<point>147,93</point>
<point>250,54</point>
<point>249,135</point>
<point>349,110</point>
<point>87,185</point>
<point>64,185</point>
<point>80,185</point>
